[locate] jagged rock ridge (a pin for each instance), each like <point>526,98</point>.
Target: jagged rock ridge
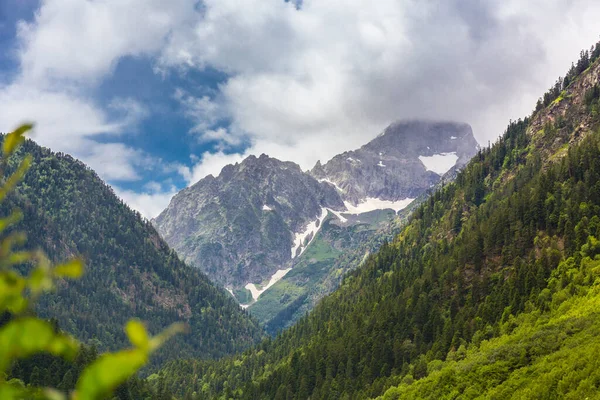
<point>246,227</point>
<point>239,226</point>
<point>402,162</point>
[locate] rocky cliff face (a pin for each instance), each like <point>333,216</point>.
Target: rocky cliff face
<point>402,162</point>
<point>240,226</point>
<point>247,227</point>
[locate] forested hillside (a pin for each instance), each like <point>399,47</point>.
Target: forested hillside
<point>506,258</point>
<point>130,271</point>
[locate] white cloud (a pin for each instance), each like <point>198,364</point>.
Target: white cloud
<point>62,119</point>
<point>306,84</point>
<point>209,164</point>
<point>150,202</point>
<point>64,53</point>
<point>81,40</point>
<point>68,123</point>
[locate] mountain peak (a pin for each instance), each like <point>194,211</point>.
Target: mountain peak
<point>402,162</point>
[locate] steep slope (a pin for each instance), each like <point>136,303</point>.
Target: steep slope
<point>337,248</point>
<point>248,222</point>
<point>553,355</point>
<point>130,270</point>
<point>512,243</point>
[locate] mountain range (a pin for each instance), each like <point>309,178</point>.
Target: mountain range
<point>489,290</point>
<point>272,233</point>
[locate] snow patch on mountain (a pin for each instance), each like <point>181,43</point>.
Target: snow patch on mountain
<point>372,204</point>
<point>439,163</point>
<point>331,183</point>
<point>338,215</point>
<point>256,292</point>
<point>311,230</point>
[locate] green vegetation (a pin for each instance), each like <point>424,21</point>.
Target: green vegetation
<point>558,92</point>
<point>493,279</point>
<point>540,355</point>
<point>293,289</point>
<point>243,295</point>
<point>334,251</point>
<point>131,272</point>
<point>22,335</point>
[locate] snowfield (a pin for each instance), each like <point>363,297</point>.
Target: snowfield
<point>372,204</point>
<point>439,163</point>
<point>312,228</point>
<point>256,292</point>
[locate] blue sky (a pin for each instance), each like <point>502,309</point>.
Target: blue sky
<point>154,95</point>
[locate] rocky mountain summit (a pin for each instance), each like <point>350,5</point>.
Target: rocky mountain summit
<point>239,227</point>
<point>405,160</point>
<point>249,226</point>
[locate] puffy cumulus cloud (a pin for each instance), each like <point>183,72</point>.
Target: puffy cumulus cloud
<point>68,48</point>
<point>81,40</point>
<point>62,118</point>
<point>68,122</point>
<point>308,82</point>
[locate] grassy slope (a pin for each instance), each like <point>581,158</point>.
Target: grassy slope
<point>335,250</point>
<point>540,355</point>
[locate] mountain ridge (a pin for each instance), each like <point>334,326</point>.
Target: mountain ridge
<point>410,154</point>
<point>247,226</point>
<point>69,211</point>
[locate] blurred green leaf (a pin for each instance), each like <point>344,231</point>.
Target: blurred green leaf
<point>16,177</point>
<point>19,257</point>
<point>40,280</point>
<point>10,392</point>
<point>71,269</point>
<point>52,394</point>
<point>109,371</point>
<point>15,138</point>
<point>12,286</point>
<point>12,219</point>
<point>137,334</point>
<point>26,336</point>
<point>165,335</point>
